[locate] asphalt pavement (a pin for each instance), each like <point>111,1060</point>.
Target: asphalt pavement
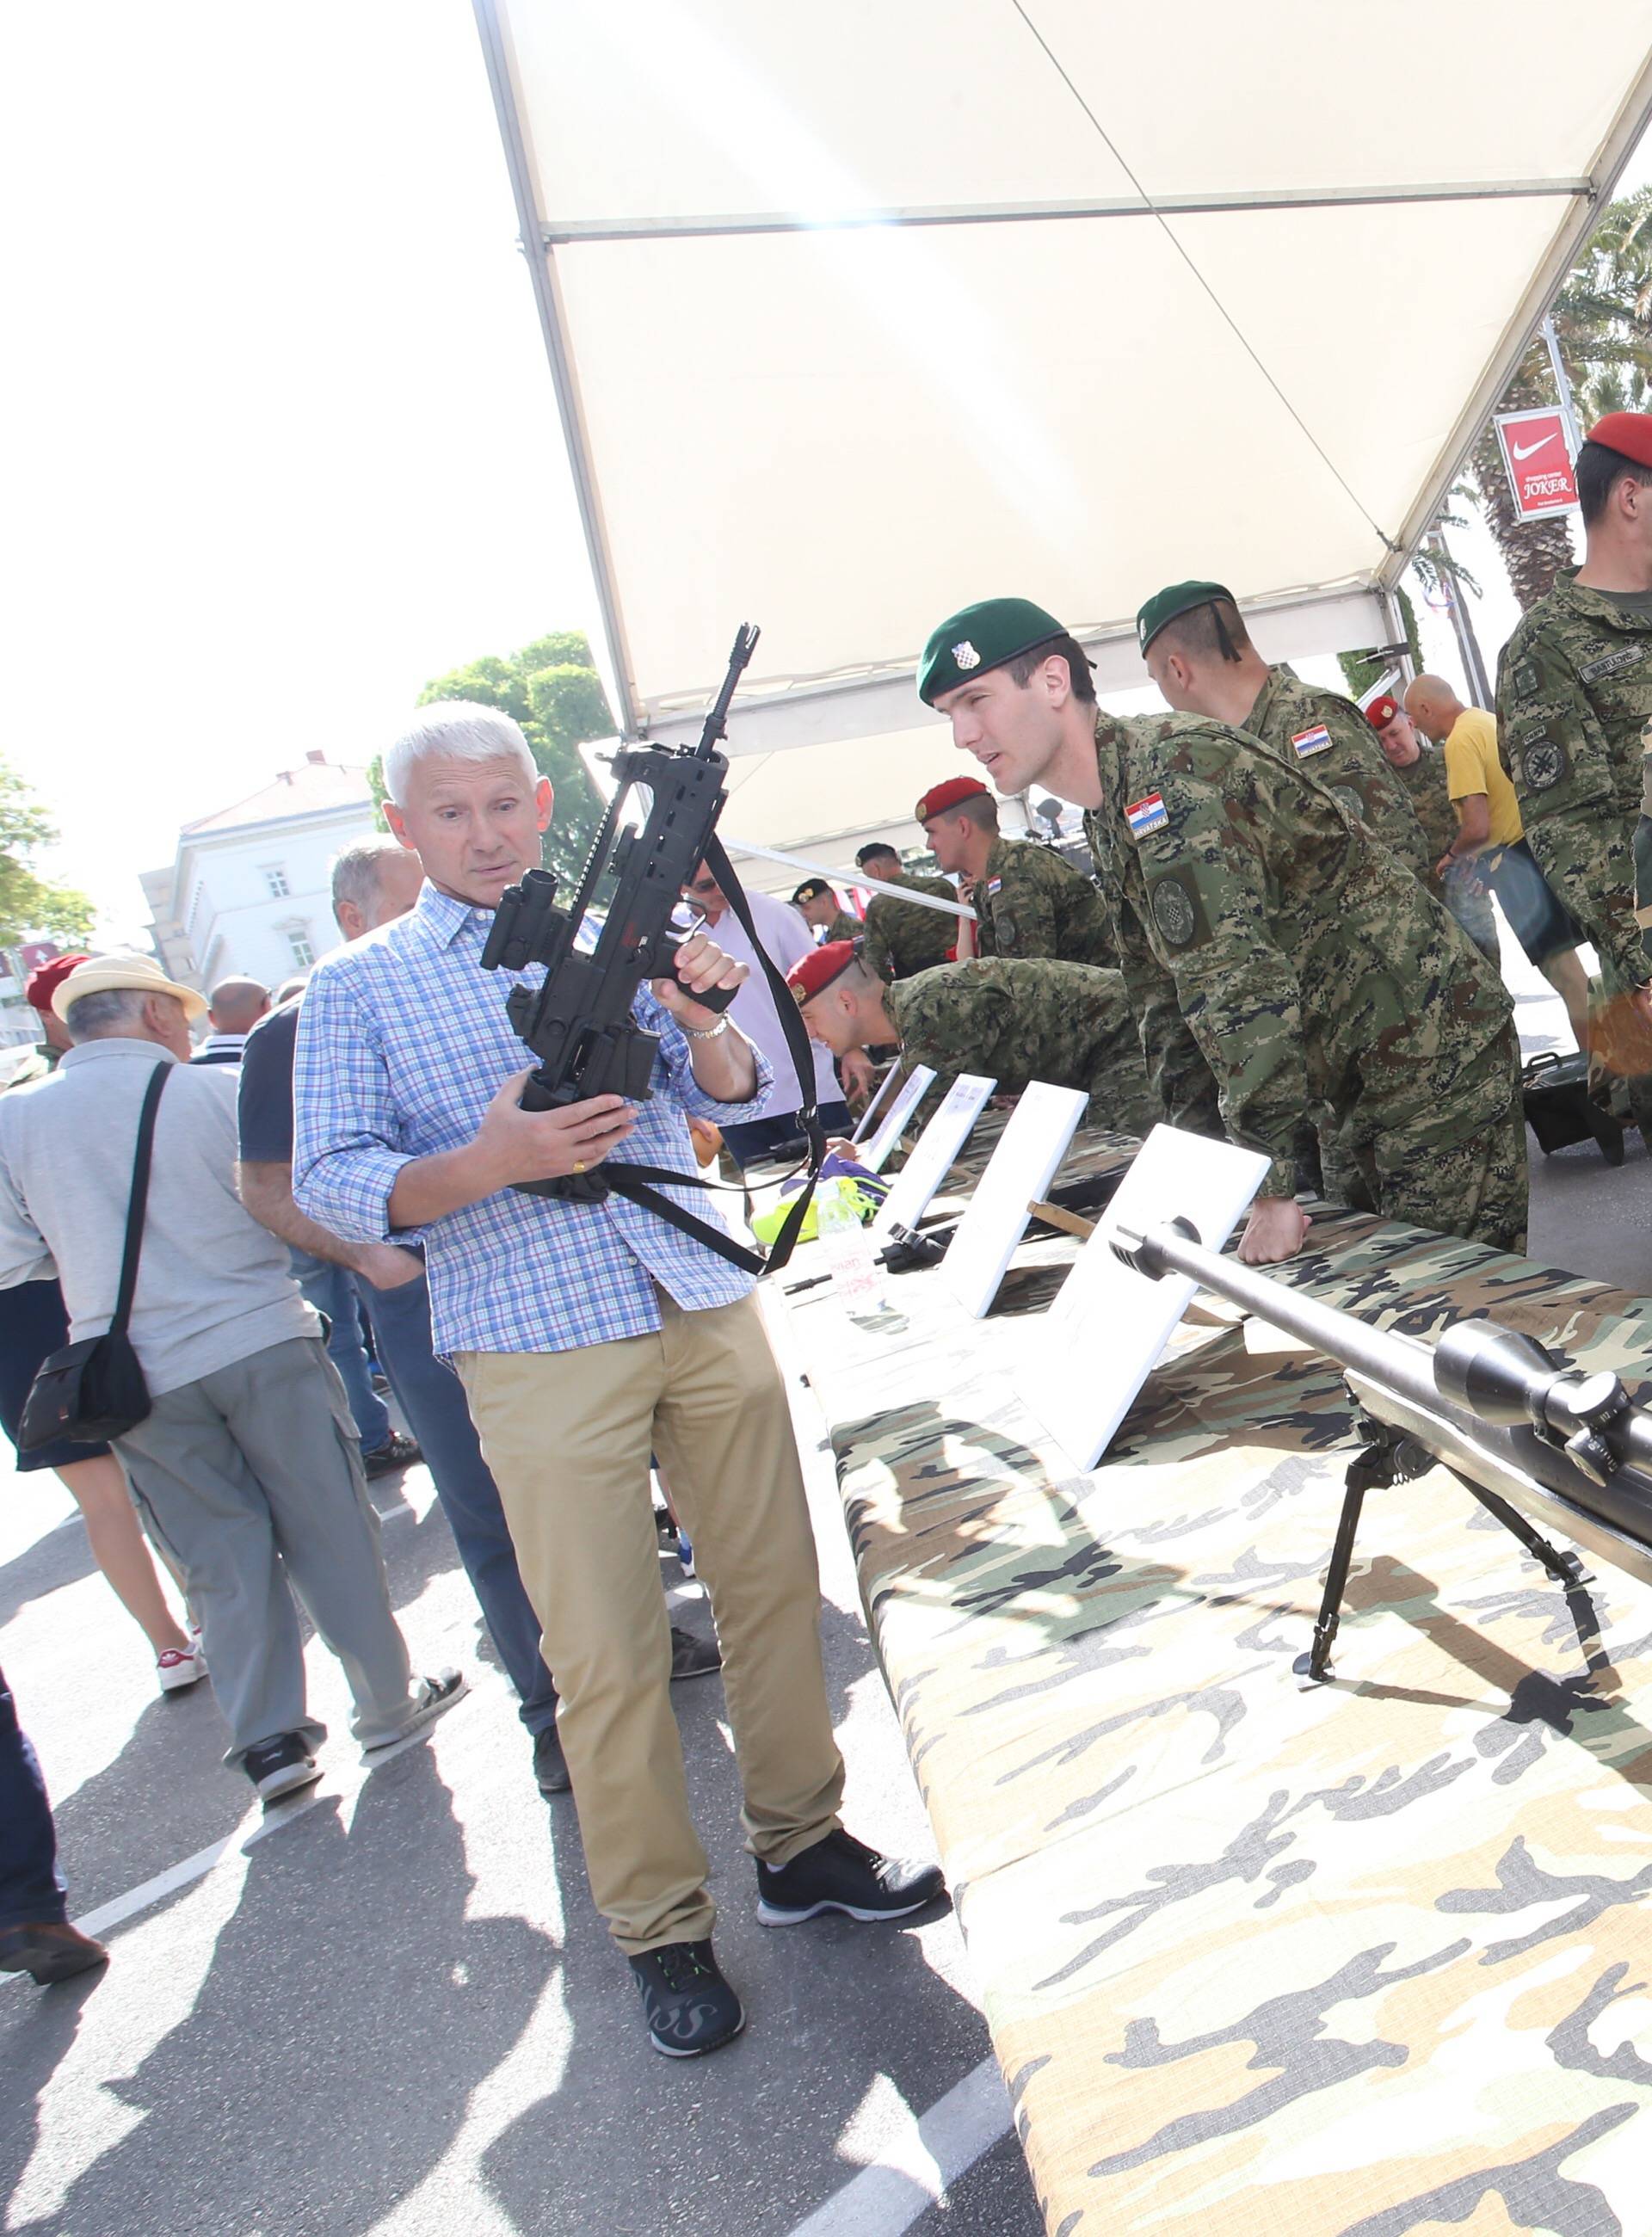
<point>387,2009</point>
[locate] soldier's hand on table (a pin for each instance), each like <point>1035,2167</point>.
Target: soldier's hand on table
<point>542,1145</point>
<point>1274,1230</point>
<point>701,964</point>
<point>386,1266</point>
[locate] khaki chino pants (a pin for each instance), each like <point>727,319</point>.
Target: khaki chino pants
<point>567,1435</point>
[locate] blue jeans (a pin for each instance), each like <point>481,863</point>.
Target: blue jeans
<point>433,1398</point>
<point>328,1288</point>
<point>31,1887</point>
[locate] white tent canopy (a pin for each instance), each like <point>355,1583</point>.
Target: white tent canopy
<point>857,314</point>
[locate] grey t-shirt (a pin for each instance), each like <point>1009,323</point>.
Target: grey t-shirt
<point>212,1285</point>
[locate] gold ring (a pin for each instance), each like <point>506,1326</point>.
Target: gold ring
<point>578,1167</point>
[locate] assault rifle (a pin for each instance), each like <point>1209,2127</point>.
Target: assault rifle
<point>1534,1438</point>
<point>577,1021</point>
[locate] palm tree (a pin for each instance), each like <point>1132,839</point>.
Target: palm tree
<point>1604,322</point>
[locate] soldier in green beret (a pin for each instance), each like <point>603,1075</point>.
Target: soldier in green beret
<point>1264,934</point>
<point>1574,693</point>
<point>1027,902</point>
<point>1199,654</point>
<point>901,937</point>
<point>1015,1020</point>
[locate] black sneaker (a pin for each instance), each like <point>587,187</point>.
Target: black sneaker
<point>840,1873</point>
<point>276,1767</point>
<point>688,2007</point>
<point>550,1764</point>
<point>399,1452</point>
<point>692,1657</point>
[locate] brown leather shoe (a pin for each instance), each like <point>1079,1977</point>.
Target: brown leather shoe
<point>51,1951</point>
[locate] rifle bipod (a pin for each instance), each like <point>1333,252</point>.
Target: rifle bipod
<point>1389,1456</point>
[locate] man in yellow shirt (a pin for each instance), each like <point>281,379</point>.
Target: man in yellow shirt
<point>1488,827</point>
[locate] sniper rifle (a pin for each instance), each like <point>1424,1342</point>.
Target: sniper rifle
<point>1533,1438</point>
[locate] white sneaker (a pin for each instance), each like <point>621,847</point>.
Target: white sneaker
<point>432,1697</point>
<point>176,1667</point>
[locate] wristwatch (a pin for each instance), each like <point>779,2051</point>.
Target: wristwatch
<point>723,1025</point>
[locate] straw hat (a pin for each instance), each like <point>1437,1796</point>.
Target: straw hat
<point>103,975</point>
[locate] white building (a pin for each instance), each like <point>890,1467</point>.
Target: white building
<point>249,894</point>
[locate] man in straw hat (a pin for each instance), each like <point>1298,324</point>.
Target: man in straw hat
<point>247,1466</point>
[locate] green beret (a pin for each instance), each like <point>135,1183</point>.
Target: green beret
<point>1180,599</point>
<point>981,637</point>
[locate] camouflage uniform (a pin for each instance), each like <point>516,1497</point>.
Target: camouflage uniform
<point>1261,930</point>
<point>1031,903</point>
<point>843,926</point>
<point>1460,889</point>
<point>1290,716</point>
<point>900,938</point>
<point>1574,689</point>
<point>1019,1019</point>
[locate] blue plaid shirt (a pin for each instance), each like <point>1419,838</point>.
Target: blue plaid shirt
<point>403,1041</point>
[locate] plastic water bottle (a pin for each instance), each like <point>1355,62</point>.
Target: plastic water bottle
<point>856,1274</point>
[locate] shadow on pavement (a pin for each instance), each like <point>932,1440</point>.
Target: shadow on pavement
<point>744,2141</point>
<point>349,2010</point>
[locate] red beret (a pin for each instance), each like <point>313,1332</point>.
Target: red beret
<point>939,797</point>
<point>1381,712</point>
<point>44,981</point>
<point>1628,433</point>
<point>820,966</point>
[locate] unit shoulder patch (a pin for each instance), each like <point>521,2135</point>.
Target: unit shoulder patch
<point>1314,740</point>
<point>1178,911</point>
<point>1146,814</point>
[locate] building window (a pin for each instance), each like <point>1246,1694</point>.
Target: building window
<point>303,954</point>
<point>275,879</point>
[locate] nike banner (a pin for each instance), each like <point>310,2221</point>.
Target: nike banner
<point>1540,466</point>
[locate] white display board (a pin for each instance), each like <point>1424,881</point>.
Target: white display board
<point>1109,1323</point>
<point>932,1152</point>
<point>1022,1166</point>
<point>864,1124</point>
<point>890,1127</point>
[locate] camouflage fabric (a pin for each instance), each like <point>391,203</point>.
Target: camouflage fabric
<point>1021,1020</point>
<point>900,938</point>
<point>1260,926</point>
<point>1032,903</point>
<point>1326,733</point>
<point>843,926</point>
<point>1461,889</point>
<point>1359,1960</point>
<point>1574,689</point>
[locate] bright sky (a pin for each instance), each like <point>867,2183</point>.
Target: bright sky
<point>282,442</point>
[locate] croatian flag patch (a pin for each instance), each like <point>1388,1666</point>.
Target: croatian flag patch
<point>994,885</point>
<point>1317,740</point>
<point>1147,814</point>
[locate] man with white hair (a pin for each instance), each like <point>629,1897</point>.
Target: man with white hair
<point>246,1467</point>
<point>587,1335</point>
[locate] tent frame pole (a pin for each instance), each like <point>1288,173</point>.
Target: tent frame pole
<point>553,327</point>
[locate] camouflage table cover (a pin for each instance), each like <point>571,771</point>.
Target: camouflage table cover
<point>1366,1957</point>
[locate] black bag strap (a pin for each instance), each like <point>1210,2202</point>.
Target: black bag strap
<point>138,1203</point>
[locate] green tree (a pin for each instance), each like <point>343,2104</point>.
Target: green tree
<point>552,689</point>
<point>1361,669</point>
<point>29,903</point>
